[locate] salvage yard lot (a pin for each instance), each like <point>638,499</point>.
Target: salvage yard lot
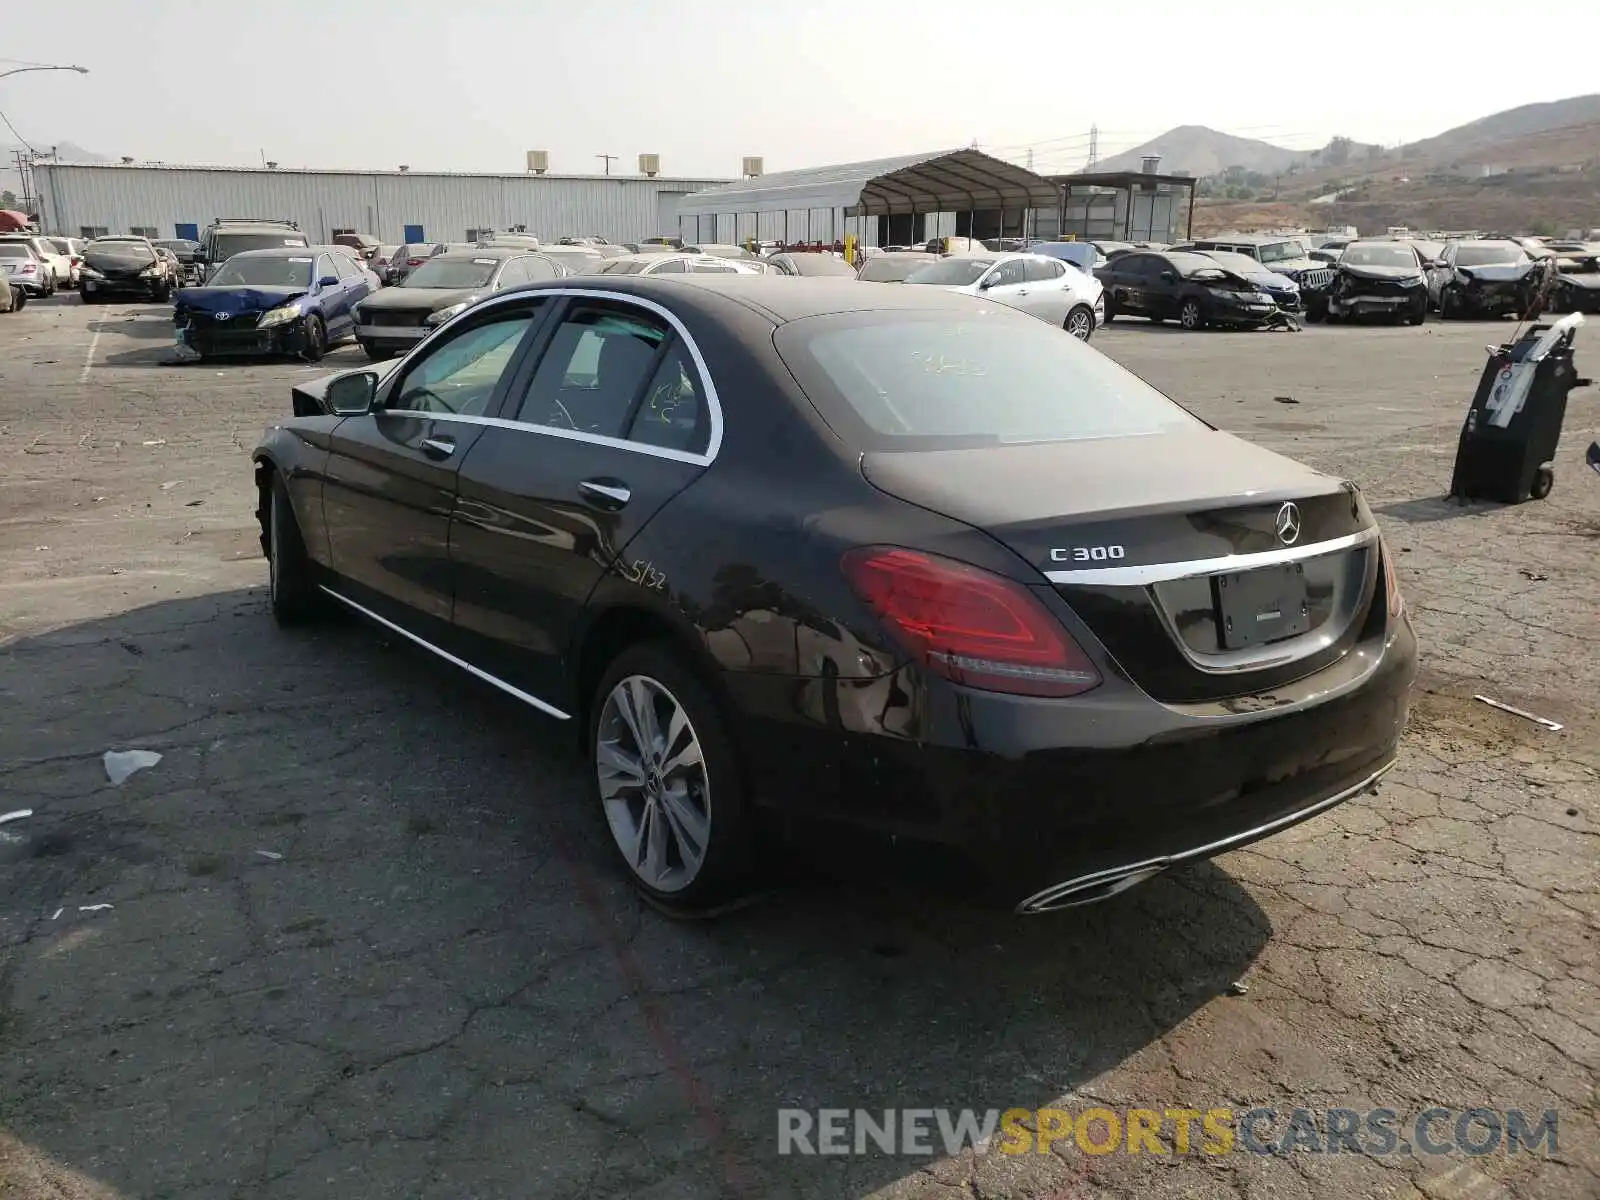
<point>364,938</point>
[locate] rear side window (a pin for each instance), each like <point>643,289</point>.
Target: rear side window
<point>1040,270</point>
<point>672,412</point>
<point>596,364</point>
<point>904,380</point>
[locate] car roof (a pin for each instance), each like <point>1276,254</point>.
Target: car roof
<point>781,298</point>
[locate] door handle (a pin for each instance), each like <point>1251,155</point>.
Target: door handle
<point>438,447</point>
<point>605,493</point>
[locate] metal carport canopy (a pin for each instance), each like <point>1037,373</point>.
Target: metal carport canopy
<point>946,181</point>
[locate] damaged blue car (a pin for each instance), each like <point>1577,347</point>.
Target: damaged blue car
<point>290,301</point>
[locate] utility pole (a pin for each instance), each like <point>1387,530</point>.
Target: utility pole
<point>1094,147</point>
<point>609,159</point>
<point>1030,158</point>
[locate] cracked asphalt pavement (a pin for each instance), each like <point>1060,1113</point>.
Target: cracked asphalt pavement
<point>357,935</point>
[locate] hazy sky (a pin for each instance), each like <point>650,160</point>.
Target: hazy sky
<point>472,84</point>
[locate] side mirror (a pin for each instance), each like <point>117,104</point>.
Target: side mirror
<point>987,282</point>
<point>351,395</point>
<point>328,281</point>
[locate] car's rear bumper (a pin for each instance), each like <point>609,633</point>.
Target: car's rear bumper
<point>1063,799</point>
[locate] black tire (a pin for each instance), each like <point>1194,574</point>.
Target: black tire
<point>19,299</point>
<point>1190,315</point>
<point>374,352</point>
<point>724,871</point>
<point>313,339</point>
<point>1080,322</point>
<point>1111,308</point>
<point>291,585</point>
<point>1543,480</point>
<point>1448,309</point>
<point>1418,314</point>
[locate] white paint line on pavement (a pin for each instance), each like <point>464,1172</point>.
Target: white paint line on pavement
<point>88,359</point>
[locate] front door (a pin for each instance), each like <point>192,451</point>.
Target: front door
<point>391,478</point>
<point>1006,284</point>
<point>600,430</point>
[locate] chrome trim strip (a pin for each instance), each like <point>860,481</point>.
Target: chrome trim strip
<point>1057,894</point>
<point>395,332</point>
<point>509,689</point>
<point>713,401</point>
<point>593,439</point>
<point>1167,572</point>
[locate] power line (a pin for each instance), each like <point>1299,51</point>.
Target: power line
<point>15,134</point>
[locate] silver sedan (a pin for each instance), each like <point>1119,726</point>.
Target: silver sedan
<point>1037,284</point>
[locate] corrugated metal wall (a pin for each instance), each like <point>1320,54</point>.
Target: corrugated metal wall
<point>620,208</point>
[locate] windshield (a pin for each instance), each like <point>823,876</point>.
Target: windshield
<point>1281,251</point>
<point>122,248</point>
<point>1498,254</point>
<point>452,273</point>
<point>898,380</point>
<point>267,271</point>
<point>819,264</point>
<point>226,245</point>
<point>952,272</point>
<point>891,270</point>
<point>1358,255</point>
<point>1239,264</point>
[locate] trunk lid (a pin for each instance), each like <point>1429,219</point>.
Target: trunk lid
<point>1207,566</point>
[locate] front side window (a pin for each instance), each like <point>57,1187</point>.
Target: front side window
<point>597,362</point>
<point>1008,273</point>
<point>460,374</point>
<point>673,266</point>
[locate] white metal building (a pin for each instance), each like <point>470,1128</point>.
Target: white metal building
<point>886,201</point>
<point>88,199</point>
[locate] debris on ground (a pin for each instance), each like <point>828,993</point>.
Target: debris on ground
<point>16,814</point>
<point>1519,712</point>
<point>1536,576</point>
<point>1238,988</point>
<point>1286,400</point>
<point>156,442</point>
<point>270,855</point>
<point>120,764</point>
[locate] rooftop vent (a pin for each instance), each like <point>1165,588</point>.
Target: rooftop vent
<point>538,161</point>
<point>650,164</point>
<point>271,166</point>
<point>405,166</point>
<point>752,167</point>
<point>127,159</point>
<point>1150,164</point>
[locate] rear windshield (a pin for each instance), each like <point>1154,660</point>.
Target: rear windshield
<point>819,264</point>
<point>897,380</point>
<point>885,269</point>
<point>226,245</point>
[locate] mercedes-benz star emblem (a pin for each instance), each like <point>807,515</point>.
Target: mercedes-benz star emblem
<point>222,316</point>
<point>1288,523</point>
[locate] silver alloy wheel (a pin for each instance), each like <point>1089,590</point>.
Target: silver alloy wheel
<point>1080,324</point>
<point>653,783</point>
<point>1189,315</point>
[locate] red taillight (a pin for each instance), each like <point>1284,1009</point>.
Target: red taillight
<point>415,262</point>
<point>972,627</point>
<point>27,268</point>
<point>76,261</point>
<point>1391,584</point>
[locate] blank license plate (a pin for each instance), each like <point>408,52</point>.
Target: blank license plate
<point>1261,606</point>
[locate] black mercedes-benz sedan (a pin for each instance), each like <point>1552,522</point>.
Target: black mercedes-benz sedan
<point>884,557</point>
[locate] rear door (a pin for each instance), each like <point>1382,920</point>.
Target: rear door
<point>1047,298</point>
<point>607,421</point>
<point>391,478</point>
